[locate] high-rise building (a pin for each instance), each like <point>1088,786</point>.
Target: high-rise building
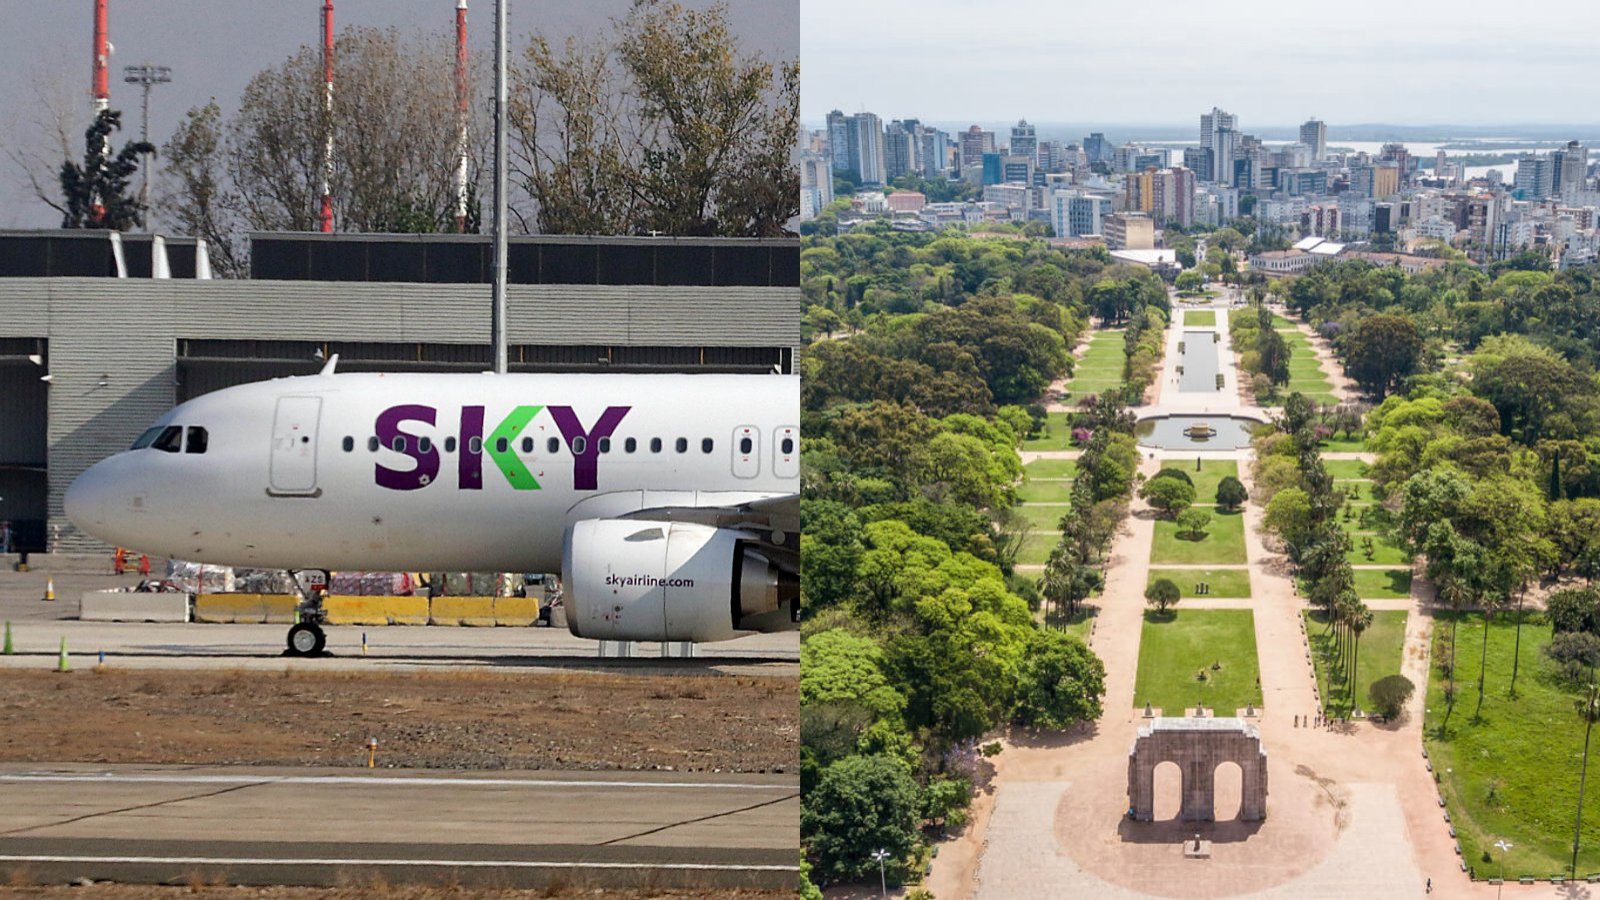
<point>899,150</point>
<point>1130,231</point>
<point>816,184</point>
<point>868,133</point>
<point>1401,157</point>
<point>1385,180</point>
<point>975,142</point>
<point>839,141</point>
<point>933,151</point>
<point>1200,160</point>
<point>1534,179</point>
<point>1314,134</point>
<point>1172,197</point>
<point>994,169</point>
<point>1225,154</point>
<point>1211,123</point>
<point>1097,148</point>
<point>1075,213</point>
<point>1125,158</point>
<point>1574,168</point>
<point>1024,141</point>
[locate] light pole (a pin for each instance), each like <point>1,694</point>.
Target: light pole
<point>1504,846</point>
<point>147,76</point>
<point>883,880</point>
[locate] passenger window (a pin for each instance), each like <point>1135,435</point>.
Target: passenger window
<point>146,439</point>
<point>746,445</point>
<point>527,445</point>
<point>424,444</point>
<point>788,445</point>
<point>706,444</point>
<point>552,445</point>
<point>349,443</point>
<point>449,445</point>
<point>372,444</point>
<point>655,445</point>
<point>579,445</point>
<point>170,440</point>
<point>475,444</point>
<point>630,445</point>
<point>399,443</point>
<point>682,445</point>
<point>604,445</point>
<point>501,445</point>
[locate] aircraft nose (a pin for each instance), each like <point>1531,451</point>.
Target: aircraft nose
<point>85,500</point>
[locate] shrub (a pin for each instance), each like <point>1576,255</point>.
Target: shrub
<point>1390,693</point>
<point>1194,522</point>
<point>1231,493</point>
<point>1175,472</point>
<point>1572,609</point>
<point>1574,653</point>
<point>1168,494</point>
<point>1162,594</point>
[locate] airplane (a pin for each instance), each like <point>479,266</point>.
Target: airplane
<point>669,503</point>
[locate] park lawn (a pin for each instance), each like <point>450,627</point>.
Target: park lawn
<point>1382,584</point>
<point>1035,549</point>
<point>1076,625</point>
<point>1051,468</point>
<point>1045,491</point>
<point>1323,398</point>
<point>1199,318</point>
<point>1088,383</point>
<point>1173,649</point>
<point>1345,468</point>
<point>1210,474</point>
<point>1280,322</point>
<point>1306,370</point>
<point>1230,583</point>
<point>1056,435</point>
<point>1223,542</point>
<point>1527,749</point>
<point>1382,651</point>
<point>1042,518</point>
<point>1384,552</point>
<point>1343,445</point>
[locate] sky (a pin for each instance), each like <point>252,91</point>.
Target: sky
<point>215,46</point>
<point>1418,62</point>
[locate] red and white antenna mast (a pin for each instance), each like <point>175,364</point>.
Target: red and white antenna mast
<point>461,116</point>
<point>102,59</point>
<point>327,100</point>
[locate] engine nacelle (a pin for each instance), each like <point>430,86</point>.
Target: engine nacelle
<point>641,580</point>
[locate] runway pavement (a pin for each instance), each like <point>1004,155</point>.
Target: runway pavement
<point>243,825</point>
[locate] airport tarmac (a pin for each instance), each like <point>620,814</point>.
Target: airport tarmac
<point>309,826</point>
<point>38,628</point>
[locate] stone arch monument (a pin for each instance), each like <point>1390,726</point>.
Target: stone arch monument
<point>1198,746</point>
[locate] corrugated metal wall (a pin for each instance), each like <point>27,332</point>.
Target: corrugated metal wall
<point>113,343</point>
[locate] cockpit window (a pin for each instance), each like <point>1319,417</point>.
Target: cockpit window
<point>170,440</point>
<point>146,439</point>
<point>198,438</point>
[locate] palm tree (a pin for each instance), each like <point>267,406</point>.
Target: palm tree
<point>1452,591</point>
<point>1361,621</point>
<point>1489,601</point>
<point>1589,709</point>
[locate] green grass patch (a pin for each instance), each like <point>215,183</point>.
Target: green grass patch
<point>1206,479</point>
<point>1384,552</point>
<point>1223,542</point>
<point>1343,445</point>
<point>1382,584</point>
<point>1231,583</point>
<point>1345,468</point>
<point>1051,468</point>
<point>1199,318</point>
<point>1056,434</point>
<point>1043,518</point>
<point>1035,549</point>
<point>1511,770</point>
<point>1175,648</point>
<point>1382,651</point>
<point>1040,491</point>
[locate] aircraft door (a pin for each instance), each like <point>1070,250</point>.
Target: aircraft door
<point>786,452</point>
<point>294,445</point>
<point>746,451</point>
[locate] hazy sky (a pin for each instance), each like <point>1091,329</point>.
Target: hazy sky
<point>1420,62</point>
<point>215,46</point>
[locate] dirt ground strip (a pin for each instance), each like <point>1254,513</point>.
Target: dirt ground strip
<point>105,891</point>
<point>465,720</point>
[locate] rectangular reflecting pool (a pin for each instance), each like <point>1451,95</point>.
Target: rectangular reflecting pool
<point>1200,361</point>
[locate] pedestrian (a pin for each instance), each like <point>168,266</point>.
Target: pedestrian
<point>1430,885</point>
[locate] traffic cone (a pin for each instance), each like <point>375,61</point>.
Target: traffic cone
<point>61,664</point>
<point>49,589</point>
<point>7,649</point>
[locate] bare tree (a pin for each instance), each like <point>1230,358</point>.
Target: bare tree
<point>661,127</point>
<point>198,198</point>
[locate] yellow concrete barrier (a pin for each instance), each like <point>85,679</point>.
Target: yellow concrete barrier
<point>277,609</point>
<point>376,610</point>
<point>516,610</point>
<point>462,611</point>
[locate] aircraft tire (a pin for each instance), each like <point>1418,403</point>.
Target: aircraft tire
<point>306,639</point>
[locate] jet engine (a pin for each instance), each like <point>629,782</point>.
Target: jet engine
<point>641,580</point>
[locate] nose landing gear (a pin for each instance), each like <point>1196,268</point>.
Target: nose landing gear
<point>306,638</point>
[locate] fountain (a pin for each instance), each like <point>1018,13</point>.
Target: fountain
<point>1200,431</point>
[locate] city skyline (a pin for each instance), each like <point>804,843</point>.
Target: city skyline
<point>1506,71</point>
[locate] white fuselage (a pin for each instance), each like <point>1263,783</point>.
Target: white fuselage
<point>428,472</point>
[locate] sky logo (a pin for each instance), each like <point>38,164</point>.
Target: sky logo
<point>500,446</point>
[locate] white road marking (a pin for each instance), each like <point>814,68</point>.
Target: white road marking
<point>386,781</point>
<point>460,863</point>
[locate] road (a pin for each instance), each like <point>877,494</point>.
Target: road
<point>306,826</point>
